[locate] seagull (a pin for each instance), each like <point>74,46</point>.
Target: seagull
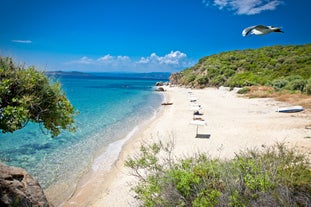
<point>260,30</point>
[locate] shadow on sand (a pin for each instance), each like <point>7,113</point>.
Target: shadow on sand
<point>203,136</point>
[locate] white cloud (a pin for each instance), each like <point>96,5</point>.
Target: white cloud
<point>173,61</point>
<point>174,58</point>
<point>247,7</point>
<point>85,60</point>
<point>104,60</point>
<point>22,41</point>
<point>221,3</point>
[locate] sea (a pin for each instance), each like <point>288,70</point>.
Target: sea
<point>111,109</point>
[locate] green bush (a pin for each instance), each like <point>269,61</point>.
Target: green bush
<point>279,84</point>
<point>274,176</point>
<point>217,81</point>
<point>203,80</point>
<point>297,85</point>
<point>293,78</point>
<point>292,83</point>
<point>191,78</point>
<point>307,88</point>
<point>229,72</point>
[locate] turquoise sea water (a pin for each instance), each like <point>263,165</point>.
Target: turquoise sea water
<point>110,109</point>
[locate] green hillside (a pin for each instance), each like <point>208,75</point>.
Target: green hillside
<point>278,66</point>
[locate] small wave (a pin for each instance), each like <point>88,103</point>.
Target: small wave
<point>106,160</point>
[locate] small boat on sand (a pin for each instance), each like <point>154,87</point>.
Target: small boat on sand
<point>290,109</point>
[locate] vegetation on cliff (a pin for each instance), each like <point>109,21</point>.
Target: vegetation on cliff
<point>282,67</point>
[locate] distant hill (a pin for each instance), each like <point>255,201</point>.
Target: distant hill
<point>66,73</point>
<point>152,75</point>
<point>238,68</point>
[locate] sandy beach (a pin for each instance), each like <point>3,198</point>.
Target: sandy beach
<point>233,124</point>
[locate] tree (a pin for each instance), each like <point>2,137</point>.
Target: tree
<point>28,95</point>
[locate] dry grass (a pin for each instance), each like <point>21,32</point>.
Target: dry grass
<point>283,96</point>
<point>260,92</point>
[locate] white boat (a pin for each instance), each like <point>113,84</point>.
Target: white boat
<point>290,109</point>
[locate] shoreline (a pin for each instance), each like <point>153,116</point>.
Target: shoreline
<point>232,123</point>
<point>101,170</point>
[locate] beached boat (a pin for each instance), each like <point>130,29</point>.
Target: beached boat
<point>290,109</point>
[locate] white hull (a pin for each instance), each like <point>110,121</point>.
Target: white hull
<point>291,109</point>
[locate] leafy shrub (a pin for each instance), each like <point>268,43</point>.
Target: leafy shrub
<point>191,78</point>
<point>293,78</point>
<point>229,72</point>
<point>297,85</point>
<point>203,80</point>
<point>308,87</point>
<point>217,81</point>
<point>274,176</point>
<point>279,84</point>
<point>292,83</point>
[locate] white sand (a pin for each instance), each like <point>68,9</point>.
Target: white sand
<point>233,124</point>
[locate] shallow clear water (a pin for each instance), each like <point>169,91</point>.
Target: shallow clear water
<point>110,108</point>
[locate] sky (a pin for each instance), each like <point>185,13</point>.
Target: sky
<point>141,35</point>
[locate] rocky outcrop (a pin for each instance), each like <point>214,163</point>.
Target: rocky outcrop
<point>18,188</point>
<point>159,83</point>
<point>175,78</point>
<point>160,89</point>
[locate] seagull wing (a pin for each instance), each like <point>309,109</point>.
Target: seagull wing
<point>277,29</point>
<point>247,30</point>
<point>261,27</point>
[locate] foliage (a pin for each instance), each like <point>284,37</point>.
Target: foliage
<point>273,176</point>
<point>297,85</point>
<point>308,86</point>
<point>279,83</point>
<point>203,80</point>
<point>292,83</point>
<point>28,95</point>
<point>263,66</point>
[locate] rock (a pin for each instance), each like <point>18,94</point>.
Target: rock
<point>159,84</point>
<point>18,188</point>
<point>160,89</point>
<point>175,78</point>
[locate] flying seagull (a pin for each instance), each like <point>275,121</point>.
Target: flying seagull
<point>260,30</point>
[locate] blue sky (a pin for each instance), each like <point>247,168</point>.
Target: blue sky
<point>141,35</point>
